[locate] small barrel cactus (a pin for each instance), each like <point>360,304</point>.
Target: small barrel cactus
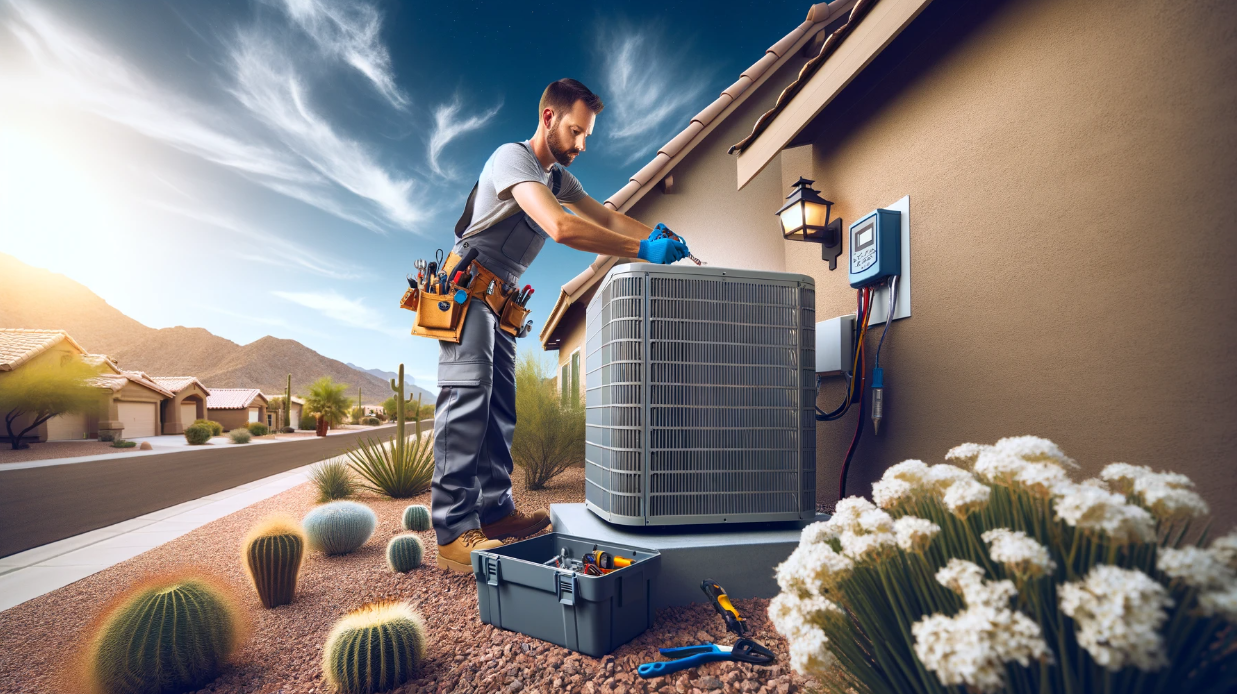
<point>404,552</point>
<point>339,527</point>
<point>272,553</point>
<point>374,649</point>
<point>166,635</point>
<point>416,518</point>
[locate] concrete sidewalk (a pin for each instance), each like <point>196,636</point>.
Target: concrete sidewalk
<point>37,571</point>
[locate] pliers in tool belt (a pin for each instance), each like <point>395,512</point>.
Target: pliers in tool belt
<point>688,657</point>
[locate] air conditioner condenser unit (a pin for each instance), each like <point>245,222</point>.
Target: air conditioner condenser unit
<point>700,394</point>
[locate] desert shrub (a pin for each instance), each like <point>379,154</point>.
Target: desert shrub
<point>374,649</point>
<point>333,480</point>
<point>370,421</point>
<point>404,553</point>
<point>287,430</point>
<point>121,443</point>
<point>42,390</point>
<point>165,635</point>
<point>999,572</point>
<point>416,518</point>
<point>339,527</point>
<point>217,429</point>
<point>240,435</point>
<point>307,422</point>
<point>550,437</point>
<point>197,434</point>
<point>394,470</point>
<point>258,429</point>
<point>273,552</point>
<point>355,415</point>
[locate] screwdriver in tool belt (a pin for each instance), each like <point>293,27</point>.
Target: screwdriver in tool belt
<point>525,295</point>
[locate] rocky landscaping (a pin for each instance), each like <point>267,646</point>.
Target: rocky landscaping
<point>40,640</point>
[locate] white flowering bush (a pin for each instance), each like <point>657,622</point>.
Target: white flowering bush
<point>996,571</point>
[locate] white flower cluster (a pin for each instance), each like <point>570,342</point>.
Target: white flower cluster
<point>1032,462</point>
<point>972,647</point>
<point>958,489</point>
<point>1168,495</point>
<point>1019,553</point>
<point>1225,549</point>
<point>802,621</point>
<point>914,534</point>
<point>1118,613</point>
<point>1092,508</point>
<point>1210,571</point>
<point>864,531</point>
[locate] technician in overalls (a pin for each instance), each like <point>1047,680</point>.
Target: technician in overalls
<point>517,203</point>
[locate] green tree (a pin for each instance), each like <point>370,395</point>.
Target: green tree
<point>42,391</point>
<point>550,435</point>
<point>388,406</point>
<point>326,399</point>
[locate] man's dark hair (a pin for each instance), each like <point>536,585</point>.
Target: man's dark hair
<point>563,94</point>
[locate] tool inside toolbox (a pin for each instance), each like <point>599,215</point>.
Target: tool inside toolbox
<point>594,563</point>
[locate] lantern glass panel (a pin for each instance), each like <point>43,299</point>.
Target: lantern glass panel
<point>816,214</point>
<point>792,220</point>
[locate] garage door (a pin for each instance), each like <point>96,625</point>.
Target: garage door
<point>253,414</point>
<point>188,413</point>
<point>67,427</point>
<point>138,418</point>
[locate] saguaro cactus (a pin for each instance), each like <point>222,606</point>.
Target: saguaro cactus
<point>167,635</point>
<point>273,552</point>
<point>287,404</point>
<point>374,649</point>
<point>400,414</point>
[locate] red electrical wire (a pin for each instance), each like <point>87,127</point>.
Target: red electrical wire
<point>863,297</point>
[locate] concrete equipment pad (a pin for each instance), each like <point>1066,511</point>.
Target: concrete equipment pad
<point>740,557</point>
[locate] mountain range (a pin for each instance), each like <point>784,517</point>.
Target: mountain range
<point>38,298</point>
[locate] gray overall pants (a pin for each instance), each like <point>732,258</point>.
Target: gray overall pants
<point>474,418</point>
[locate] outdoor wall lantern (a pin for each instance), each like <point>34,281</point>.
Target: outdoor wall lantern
<point>805,217</point>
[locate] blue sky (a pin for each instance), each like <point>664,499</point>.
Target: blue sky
<point>275,166</point>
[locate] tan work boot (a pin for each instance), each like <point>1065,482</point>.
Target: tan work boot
<point>517,525</point>
<point>454,555</point>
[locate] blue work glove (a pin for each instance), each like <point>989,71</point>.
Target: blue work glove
<point>662,251</point>
<point>661,231</point>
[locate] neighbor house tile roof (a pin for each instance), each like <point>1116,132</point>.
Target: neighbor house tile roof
<point>819,17</point>
<point>178,383</point>
<point>20,345</point>
<point>809,68</point>
<point>114,382</point>
<point>102,361</point>
<point>232,398</point>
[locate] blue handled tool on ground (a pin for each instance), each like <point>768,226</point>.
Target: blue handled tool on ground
<point>744,650</point>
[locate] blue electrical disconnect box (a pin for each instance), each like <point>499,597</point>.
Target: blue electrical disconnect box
<point>875,248</point>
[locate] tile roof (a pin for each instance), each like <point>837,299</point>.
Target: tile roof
<point>818,17</point>
<point>20,345</point>
<point>232,398</point>
<point>178,383</point>
<point>827,48</point>
<point>114,382</point>
<point>102,361</point>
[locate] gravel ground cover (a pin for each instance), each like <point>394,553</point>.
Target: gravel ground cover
<point>49,450</point>
<point>282,654</point>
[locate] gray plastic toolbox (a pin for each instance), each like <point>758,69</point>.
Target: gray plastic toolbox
<point>518,589</point>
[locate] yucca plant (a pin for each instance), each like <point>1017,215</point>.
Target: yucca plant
<point>1000,573</point>
<point>392,470</point>
<point>333,480</point>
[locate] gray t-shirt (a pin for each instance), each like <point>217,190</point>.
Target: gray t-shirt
<point>510,164</point>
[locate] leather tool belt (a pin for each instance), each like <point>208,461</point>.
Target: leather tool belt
<point>441,316</point>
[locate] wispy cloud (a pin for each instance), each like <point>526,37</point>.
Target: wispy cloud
<point>261,320</point>
<point>649,88</point>
<point>315,165</point>
<point>448,125</point>
<point>277,251</point>
<point>349,31</point>
<point>340,308</point>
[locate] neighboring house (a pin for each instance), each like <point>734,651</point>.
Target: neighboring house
<point>1070,170</point>
<point>298,405</point>
<point>236,407</point>
<point>188,402</point>
<point>129,401</point>
<point>689,186</point>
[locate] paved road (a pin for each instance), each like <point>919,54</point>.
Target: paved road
<point>45,504</point>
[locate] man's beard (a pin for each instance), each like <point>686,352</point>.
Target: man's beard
<point>562,154</point>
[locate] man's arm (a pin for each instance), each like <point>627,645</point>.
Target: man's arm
<point>576,231</point>
<point>598,213</point>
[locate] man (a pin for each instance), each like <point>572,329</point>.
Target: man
<point>517,203</point>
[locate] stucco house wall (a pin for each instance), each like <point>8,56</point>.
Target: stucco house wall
<point>1071,169</point>
<point>173,422</point>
